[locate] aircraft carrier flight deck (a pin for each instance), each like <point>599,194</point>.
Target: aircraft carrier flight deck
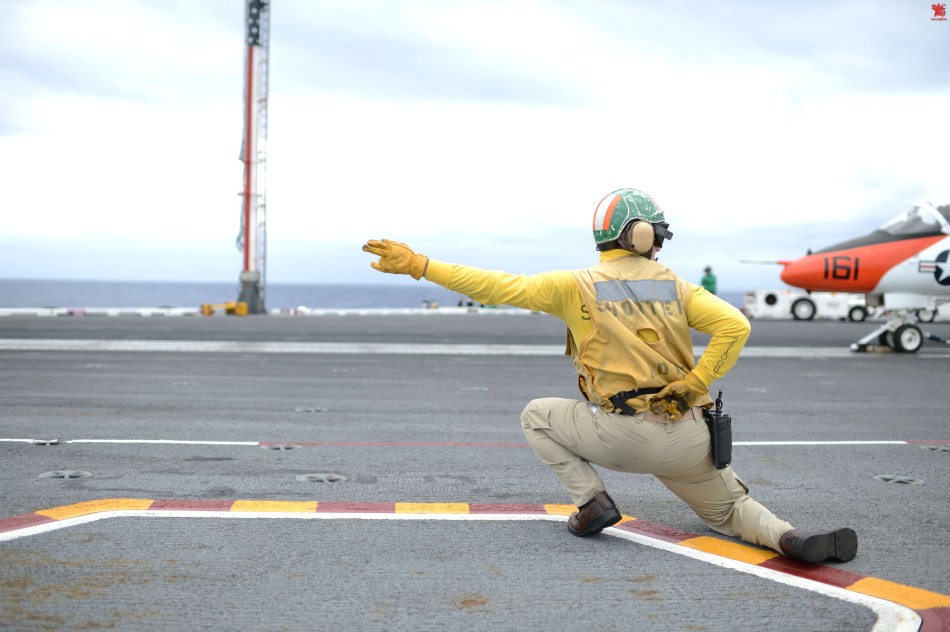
<point>368,472</point>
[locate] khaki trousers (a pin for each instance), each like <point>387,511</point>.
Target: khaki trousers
<point>569,435</point>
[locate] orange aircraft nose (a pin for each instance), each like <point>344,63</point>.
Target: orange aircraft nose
<point>851,269</point>
<point>807,273</point>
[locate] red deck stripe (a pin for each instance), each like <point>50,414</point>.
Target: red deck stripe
<point>22,522</point>
<point>399,444</point>
<point>824,574</point>
<point>934,619</point>
<point>658,531</point>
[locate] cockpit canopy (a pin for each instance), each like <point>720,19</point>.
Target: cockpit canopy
<point>920,220</point>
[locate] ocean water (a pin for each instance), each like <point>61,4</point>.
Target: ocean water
<point>79,294</point>
<point>70,294</point>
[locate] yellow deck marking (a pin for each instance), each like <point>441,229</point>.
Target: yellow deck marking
<point>732,550</point>
<point>432,508</point>
<point>274,505</point>
<point>916,598</point>
<point>95,506</point>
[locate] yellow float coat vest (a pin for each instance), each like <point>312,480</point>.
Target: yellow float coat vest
<point>640,337</point>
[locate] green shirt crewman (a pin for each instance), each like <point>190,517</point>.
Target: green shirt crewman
<point>709,280</point>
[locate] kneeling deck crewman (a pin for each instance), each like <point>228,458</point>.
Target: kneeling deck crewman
<point>628,320</point>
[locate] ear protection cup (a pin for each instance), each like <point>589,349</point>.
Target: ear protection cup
<point>641,237</point>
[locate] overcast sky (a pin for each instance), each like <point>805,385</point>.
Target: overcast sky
<point>482,132</point>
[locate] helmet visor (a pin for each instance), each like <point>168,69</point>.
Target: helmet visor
<point>661,231</point>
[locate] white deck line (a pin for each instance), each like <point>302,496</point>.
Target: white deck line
<point>374,348</point>
<point>43,312</point>
<point>891,617</point>
<point>307,444</point>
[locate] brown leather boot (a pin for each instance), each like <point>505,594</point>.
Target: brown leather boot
<point>594,516</point>
<point>818,546</point>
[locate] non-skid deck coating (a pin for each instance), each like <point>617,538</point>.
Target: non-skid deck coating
<point>897,606</point>
<point>177,389</point>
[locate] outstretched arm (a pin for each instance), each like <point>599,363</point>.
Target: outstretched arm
<point>549,292</point>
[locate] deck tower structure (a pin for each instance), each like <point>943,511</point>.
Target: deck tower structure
<point>252,240</point>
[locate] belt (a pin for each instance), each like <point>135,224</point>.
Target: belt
<point>662,418</point>
<point>620,399</point>
<point>621,408</point>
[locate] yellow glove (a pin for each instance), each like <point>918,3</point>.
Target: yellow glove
<point>397,258</point>
<point>675,399</point>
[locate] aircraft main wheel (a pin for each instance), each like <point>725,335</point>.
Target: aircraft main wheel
<point>803,309</point>
<point>926,315</point>
<point>908,338</point>
<point>857,314</point>
<point>886,339</point>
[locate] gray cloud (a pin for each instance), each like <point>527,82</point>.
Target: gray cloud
<point>33,65</point>
<point>391,65</point>
<point>868,45</point>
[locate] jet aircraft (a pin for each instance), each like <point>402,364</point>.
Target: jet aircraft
<point>903,267</point>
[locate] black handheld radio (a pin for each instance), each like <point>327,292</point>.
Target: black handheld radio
<point>720,431</point>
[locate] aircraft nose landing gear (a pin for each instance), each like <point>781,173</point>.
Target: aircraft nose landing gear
<point>908,338</point>
<point>900,333</point>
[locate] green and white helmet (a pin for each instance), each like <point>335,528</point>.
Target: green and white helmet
<point>621,207</point>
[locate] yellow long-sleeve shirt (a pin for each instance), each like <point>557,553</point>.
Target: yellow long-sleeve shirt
<point>555,293</point>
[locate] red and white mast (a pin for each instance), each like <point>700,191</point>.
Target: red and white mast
<point>252,240</point>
